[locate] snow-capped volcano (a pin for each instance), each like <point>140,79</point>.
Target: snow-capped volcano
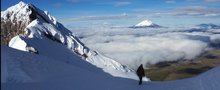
<point>38,32</point>
<point>145,24</point>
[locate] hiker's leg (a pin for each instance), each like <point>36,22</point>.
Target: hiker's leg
<point>140,80</point>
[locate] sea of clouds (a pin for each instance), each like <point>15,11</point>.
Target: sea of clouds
<point>133,47</point>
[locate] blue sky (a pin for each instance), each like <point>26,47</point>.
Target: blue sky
<point>74,12</point>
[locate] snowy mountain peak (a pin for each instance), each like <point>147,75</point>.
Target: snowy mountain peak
<point>38,32</point>
<point>21,3</point>
<point>17,12</point>
<point>145,23</point>
<point>18,6</point>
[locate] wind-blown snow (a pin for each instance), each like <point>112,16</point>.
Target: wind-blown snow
<point>18,43</point>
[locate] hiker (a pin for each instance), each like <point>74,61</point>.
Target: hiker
<point>140,73</point>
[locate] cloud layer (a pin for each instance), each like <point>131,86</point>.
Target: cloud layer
<point>212,1</point>
<point>133,47</point>
<point>86,18</point>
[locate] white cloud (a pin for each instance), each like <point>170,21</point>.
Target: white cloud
<point>117,3</point>
<point>170,1</point>
<point>195,11</point>
<point>212,1</point>
<point>133,47</point>
<point>193,8</point>
<point>141,10</point>
<point>73,1</point>
<point>86,18</point>
<point>121,3</point>
<point>212,15</point>
<point>186,11</point>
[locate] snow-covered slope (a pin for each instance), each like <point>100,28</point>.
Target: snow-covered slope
<point>47,37</point>
<point>25,71</point>
<point>145,24</point>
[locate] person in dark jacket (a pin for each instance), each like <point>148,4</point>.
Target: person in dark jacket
<point>140,73</point>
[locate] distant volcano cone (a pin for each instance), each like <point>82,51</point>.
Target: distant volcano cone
<point>146,24</point>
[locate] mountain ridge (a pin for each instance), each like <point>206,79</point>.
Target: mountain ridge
<point>44,28</point>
